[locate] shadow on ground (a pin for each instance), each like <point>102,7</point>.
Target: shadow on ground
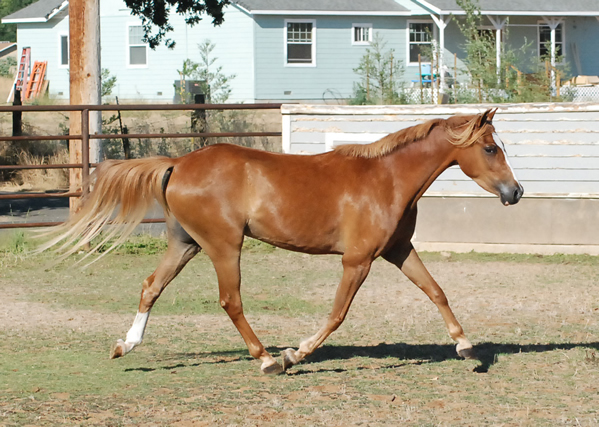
<point>486,353</point>
<point>20,207</point>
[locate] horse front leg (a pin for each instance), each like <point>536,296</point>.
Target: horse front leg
<point>228,273</point>
<point>176,257</point>
<point>355,271</point>
<point>410,264</point>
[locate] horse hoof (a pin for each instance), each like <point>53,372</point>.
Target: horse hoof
<point>467,353</point>
<point>289,358</point>
<point>274,369</point>
<point>117,349</point>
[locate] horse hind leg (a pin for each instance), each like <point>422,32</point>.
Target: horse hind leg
<point>181,249</point>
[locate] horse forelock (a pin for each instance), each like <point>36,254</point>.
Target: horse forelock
<point>391,142</point>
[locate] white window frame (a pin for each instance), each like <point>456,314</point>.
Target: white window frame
<point>60,64</point>
<point>542,23</point>
<point>127,46</point>
<point>355,42</point>
<point>303,21</point>
<point>417,21</point>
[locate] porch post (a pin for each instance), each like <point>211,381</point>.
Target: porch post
<point>553,23</point>
<point>498,24</point>
<point>441,24</point>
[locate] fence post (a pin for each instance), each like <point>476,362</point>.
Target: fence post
<point>198,120</point>
<point>17,116</point>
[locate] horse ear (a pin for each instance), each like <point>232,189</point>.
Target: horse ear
<point>486,117</point>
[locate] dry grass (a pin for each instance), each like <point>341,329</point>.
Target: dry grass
<point>39,179</point>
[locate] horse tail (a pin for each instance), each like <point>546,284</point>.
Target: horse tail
<point>123,191</point>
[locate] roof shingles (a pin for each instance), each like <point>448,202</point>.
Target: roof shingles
<point>564,6</point>
<point>322,5</point>
<point>41,9</point>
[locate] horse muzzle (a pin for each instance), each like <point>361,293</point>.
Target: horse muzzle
<point>510,195</point>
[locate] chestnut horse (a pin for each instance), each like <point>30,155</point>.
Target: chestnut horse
<point>358,201</point>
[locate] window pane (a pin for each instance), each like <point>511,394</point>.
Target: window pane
<point>421,32</point>
<point>414,51</point>
<point>299,32</point>
<point>137,55</point>
<point>64,50</point>
<point>545,40</point>
<point>357,34</point>
<point>362,34</point>
<point>136,34</point>
<point>299,53</point>
<point>420,36</point>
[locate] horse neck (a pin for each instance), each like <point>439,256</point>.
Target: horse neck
<point>418,164</point>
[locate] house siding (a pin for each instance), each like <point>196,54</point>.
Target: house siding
<point>582,34</point>
<point>253,49</point>
<point>333,77</point>
<point>234,51</point>
<point>43,39</point>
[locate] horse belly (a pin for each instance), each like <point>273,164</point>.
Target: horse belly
<point>296,228</point>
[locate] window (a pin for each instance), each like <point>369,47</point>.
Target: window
<point>545,40</point>
<point>361,34</point>
<point>420,37</point>
<point>64,51</point>
<point>489,33</point>
<point>137,48</point>
<point>299,42</point>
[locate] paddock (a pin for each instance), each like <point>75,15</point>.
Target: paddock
<point>534,322</point>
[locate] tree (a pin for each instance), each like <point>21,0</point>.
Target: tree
<point>380,75</point>
<point>155,16</point>
<point>213,82</point>
<point>8,32</point>
<point>480,49</point>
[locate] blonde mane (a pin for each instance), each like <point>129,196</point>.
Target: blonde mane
<point>471,133</point>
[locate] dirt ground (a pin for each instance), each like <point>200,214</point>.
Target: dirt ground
<point>535,326</point>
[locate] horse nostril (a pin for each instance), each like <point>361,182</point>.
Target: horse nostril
<point>518,194</point>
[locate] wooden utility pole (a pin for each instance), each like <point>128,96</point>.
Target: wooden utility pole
<point>85,79</point>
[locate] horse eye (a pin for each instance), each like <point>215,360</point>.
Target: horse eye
<point>491,149</point>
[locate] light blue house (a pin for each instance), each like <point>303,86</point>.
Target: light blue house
<point>287,50</point>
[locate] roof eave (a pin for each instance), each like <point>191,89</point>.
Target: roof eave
<point>330,13</point>
<point>10,46</point>
<point>49,16</point>
<point>23,20</point>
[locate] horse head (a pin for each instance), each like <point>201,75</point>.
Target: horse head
<point>482,156</point>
